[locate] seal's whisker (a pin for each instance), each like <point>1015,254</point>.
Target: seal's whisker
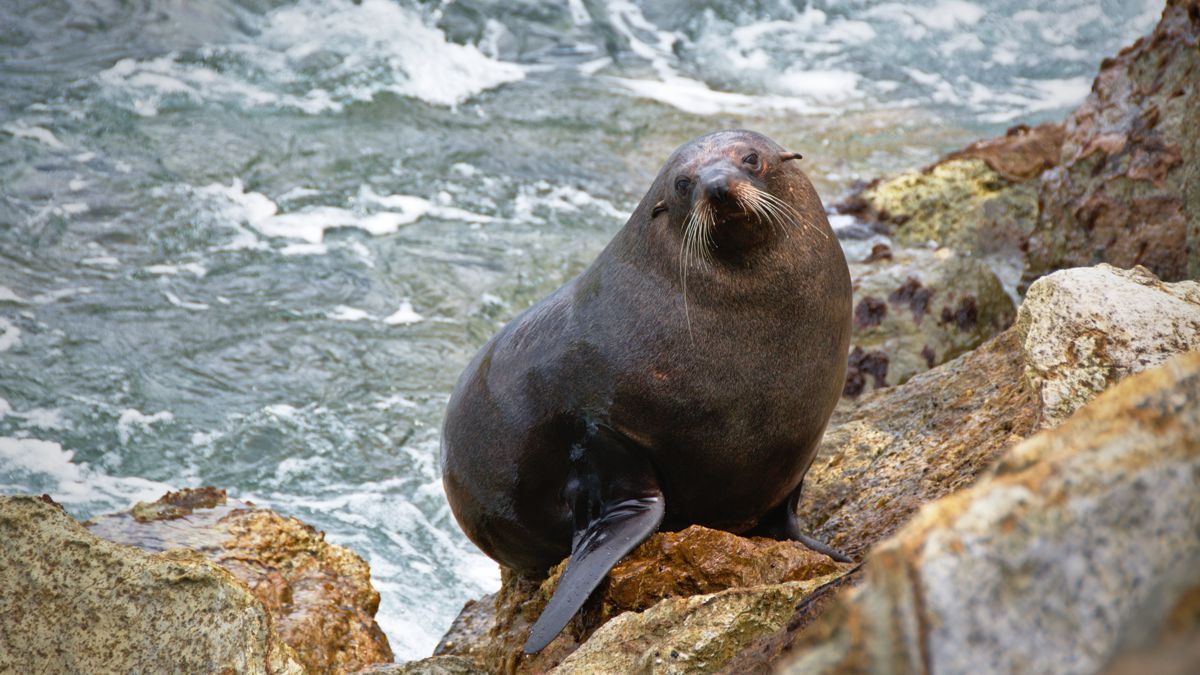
<point>750,199</point>
<point>687,252</point>
<point>766,210</point>
<point>796,218</point>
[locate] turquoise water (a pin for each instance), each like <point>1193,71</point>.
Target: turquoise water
<point>251,244</point>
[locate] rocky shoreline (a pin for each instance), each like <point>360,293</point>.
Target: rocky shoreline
<point>1016,462</point>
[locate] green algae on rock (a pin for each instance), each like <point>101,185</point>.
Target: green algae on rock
<point>961,203</point>
<point>73,602</point>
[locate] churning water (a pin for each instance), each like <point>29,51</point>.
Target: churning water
<point>251,243</point>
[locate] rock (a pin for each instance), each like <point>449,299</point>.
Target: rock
<point>1022,153</point>
<point>895,449</point>
<point>698,561</point>
<point>1125,188</point>
<point>669,565</point>
<point>961,203</point>
<point>434,665</point>
<point>320,594</point>
<point>916,309</point>
<point>1080,543</point>
<point>1078,332</point>
<point>1115,183</point>
<point>73,602</point>
<point>1084,329</point>
<point>981,201</point>
<point>699,633</point>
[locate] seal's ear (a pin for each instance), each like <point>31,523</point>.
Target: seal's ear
<point>658,208</point>
<point>785,156</point>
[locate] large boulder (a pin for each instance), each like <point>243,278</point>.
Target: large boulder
<point>1125,188</point>
<point>915,309</point>
<point>73,602</point>
<point>1084,329</point>
<point>319,594</point>
<point>1081,543</point>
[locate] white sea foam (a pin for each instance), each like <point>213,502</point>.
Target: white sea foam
<point>395,400</point>
<point>195,269</point>
<point>185,304</point>
<point>310,223</point>
<point>34,465</point>
<point>403,316</point>
<point>304,249</point>
<point>363,49</point>
<point>281,410</point>
<point>344,313</point>
<point>101,261</point>
<point>39,134</point>
<point>9,295</point>
<point>657,46</point>
<point>42,418</point>
<point>10,335</point>
<point>537,198</point>
<point>131,419</point>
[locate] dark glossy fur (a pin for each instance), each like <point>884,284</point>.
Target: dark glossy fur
<point>729,411</point>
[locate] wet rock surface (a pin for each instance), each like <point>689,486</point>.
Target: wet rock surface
<point>319,594</point>
<point>73,602</point>
<point>1086,532</point>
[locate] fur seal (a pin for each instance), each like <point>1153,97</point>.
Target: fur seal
<point>685,377</point>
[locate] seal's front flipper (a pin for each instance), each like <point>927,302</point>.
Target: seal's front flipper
<point>617,504</point>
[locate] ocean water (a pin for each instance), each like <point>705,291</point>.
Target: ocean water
<point>252,243</point>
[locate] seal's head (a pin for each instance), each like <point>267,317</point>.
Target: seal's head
<point>729,193</point>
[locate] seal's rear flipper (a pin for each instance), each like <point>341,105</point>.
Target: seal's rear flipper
<point>617,504</point>
<point>792,530</point>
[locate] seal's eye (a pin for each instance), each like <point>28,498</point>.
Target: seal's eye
<point>751,159</point>
<point>682,185</point>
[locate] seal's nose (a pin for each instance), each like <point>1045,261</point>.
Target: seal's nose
<point>716,182</point>
<point>717,189</point>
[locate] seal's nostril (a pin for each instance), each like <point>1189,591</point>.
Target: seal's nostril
<point>717,189</point>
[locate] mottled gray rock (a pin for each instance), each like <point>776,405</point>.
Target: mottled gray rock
<point>72,602</point>
<point>1084,329</point>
